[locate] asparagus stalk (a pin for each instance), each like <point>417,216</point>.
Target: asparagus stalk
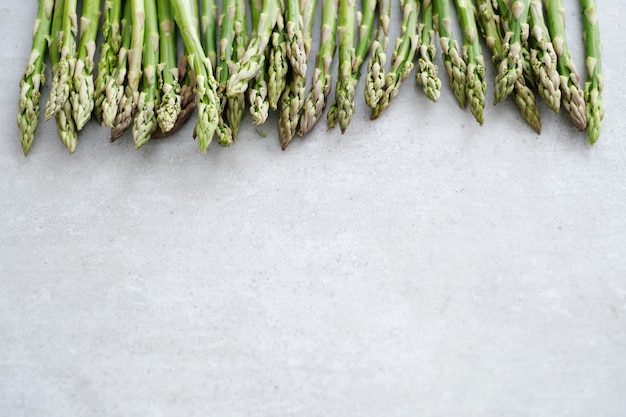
<point>236,103</point>
<point>278,65</point>
<point>207,99</point>
<point>342,107</point>
<point>187,98</point>
<point>295,37</point>
<point>476,85</point>
<point>61,77</point>
<point>109,52</point>
<point>427,72</point>
<point>82,91</point>
<point>250,64</point>
<point>452,60</point>
<point>543,57</point>
<point>258,89</point>
<point>34,76</point>
<point>375,80</point>
<point>66,128</point>
<point>523,96</point>
<point>114,88</point>
<point>130,99</point>
<point>227,35</point>
<point>572,96</point>
<point>169,105</point>
<point>209,24</point>
<point>593,61</point>
<point>321,82</point>
<point>146,120</point>
<point>515,20</point>
<point>365,23</point>
<point>402,58</point>
<point>293,97</point>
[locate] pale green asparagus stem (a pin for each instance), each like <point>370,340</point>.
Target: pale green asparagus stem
<point>34,76</point>
<point>237,103</point>
<point>169,106</point>
<point>146,120</point>
<point>427,72</point>
<point>375,80</point>
<point>130,99</point>
<point>452,59</point>
<point>209,33</point>
<point>543,57</point>
<point>523,96</point>
<point>225,56</point>
<point>515,19</point>
<point>476,85</point>
<point>250,64</point>
<point>207,98</point>
<point>66,128</point>
<point>109,52</point>
<point>258,89</point>
<point>114,89</point>
<point>321,82</point>
<point>593,61</point>
<point>82,91</point>
<point>342,107</point>
<point>572,96</point>
<point>295,37</point>
<point>278,64</point>
<point>293,96</point>
<point>62,76</point>
<point>402,58</point>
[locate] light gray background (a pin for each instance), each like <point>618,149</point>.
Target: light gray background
<point>419,265</point>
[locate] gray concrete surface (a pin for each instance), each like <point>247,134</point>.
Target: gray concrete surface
<point>419,265</point>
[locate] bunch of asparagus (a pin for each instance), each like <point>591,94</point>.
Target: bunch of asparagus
<point>143,80</point>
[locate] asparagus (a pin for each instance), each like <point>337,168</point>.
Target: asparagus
<point>66,128</point>
<point>278,65</point>
<point>82,91</point>
<point>572,96</point>
<point>476,86</point>
<point>247,68</point>
<point>342,107</point>
<point>130,99</point>
<point>510,68</point>
<point>109,52</point>
<point>375,79</point>
<point>402,58</point>
<point>427,72</point>
<point>321,82</point>
<point>543,57</point>
<point>114,88</point>
<point>169,106</point>
<point>209,24</point>
<point>34,76</point>
<point>365,23</point>
<point>293,96</point>
<point>523,96</point>
<point>236,103</point>
<point>225,56</point>
<point>206,99</point>
<point>61,76</point>
<point>146,120</point>
<point>187,98</point>
<point>295,37</point>
<point>593,61</point>
<point>452,60</point>
<point>258,89</point>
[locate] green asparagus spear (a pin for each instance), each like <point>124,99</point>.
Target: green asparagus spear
<point>34,76</point>
<point>593,61</point>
